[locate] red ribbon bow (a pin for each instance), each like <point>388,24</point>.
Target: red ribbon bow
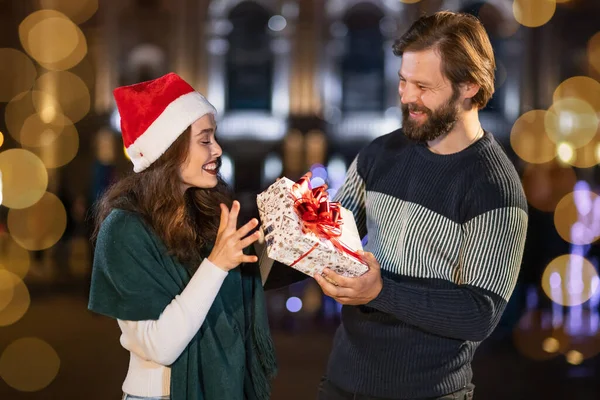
<point>319,215</point>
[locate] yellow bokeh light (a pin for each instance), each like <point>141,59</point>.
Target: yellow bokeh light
<point>570,280</point>
<point>70,91</point>
<point>574,217</point>
<point>587,156</point>
<point>1,139</point>
<point>48,114</point>
<point>38,227</point>
<point>565,152</point>
<point>546,184</point>
<point>52,39</point>
<point>593,51</point>
<point>583,88</point>
<point>22,108</point>
<point>36,133</point>
<point>571,120</point>
<point>7,285</point>
<point>533,13</point>
<point>530,334</point>
<point>550,345</point>
<point>29,364</point>
<point>529,140</point>
<point>125,152</point>
<point>13,258</point>
<point>19,303</point>
<point>574,357</point>
<point>62,149</point>
<point>77,10</point>
<point>17,71</point>
<point>312,299</point>
<point>24,178</point>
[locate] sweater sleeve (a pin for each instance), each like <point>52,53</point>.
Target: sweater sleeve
<point>352,196</point>
<point>490,260</point>
<point>164,339</point>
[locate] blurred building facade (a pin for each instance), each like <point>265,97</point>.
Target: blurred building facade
<point>299,85</point>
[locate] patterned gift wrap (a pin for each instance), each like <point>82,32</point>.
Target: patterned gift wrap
<point>304,230</point>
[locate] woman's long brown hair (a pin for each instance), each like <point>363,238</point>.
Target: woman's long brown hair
<point>186,222</point>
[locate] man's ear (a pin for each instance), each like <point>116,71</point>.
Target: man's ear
<point>469,90</point>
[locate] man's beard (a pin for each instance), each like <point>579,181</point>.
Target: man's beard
<point>438,123</point>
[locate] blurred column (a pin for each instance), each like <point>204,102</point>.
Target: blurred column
<point>183,37</point>
<point>106,56</point>
<point>200,16</point>
<point>304,94</point>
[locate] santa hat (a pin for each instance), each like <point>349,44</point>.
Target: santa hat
<point>154,114</point>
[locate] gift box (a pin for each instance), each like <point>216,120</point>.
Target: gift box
<point>306,231</point>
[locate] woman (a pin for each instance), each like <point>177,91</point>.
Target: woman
<point>167,248</point>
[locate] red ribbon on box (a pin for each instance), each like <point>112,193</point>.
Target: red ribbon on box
<point>319,216</point>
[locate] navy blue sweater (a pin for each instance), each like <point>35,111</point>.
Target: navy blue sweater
<point>449,232</point>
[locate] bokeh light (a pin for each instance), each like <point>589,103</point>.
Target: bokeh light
<point>584,339</point>
<point>529,140</point>
<point>49,39</point>
<point>546,184</point>
<point>531,334</point>
<point>19,303</point>
<point>575,217</point>
<point>570,280</point>
<point>52,39</point>
<point>593,51</point>
<point>583,88</point>
<point>24,178</point>
<point>293,304</point>
<point>127,155</point>
<point>29,364</point>
<point>17,71</point>
<point>40,226</point>
<point>550,345</point>
<point>61,149</point>
<point>572,121</point>
<point>37,133</point>
<point>574,357</point>
<point>70,92</point>
<point>409,1</point>
<point>6,288</point>
<point>19,113</point>
<point>13,258</point>
<point>588,155</point>
<point>533,13</point>
<point>313,298</point>
<point>77,10</point>
<point>565,152</point>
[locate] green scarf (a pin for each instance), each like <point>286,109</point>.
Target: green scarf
<point>134,278</point>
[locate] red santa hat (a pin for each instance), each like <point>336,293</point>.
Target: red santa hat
<point>154,114</point>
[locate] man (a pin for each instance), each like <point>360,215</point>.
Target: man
<point>446,218</point>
